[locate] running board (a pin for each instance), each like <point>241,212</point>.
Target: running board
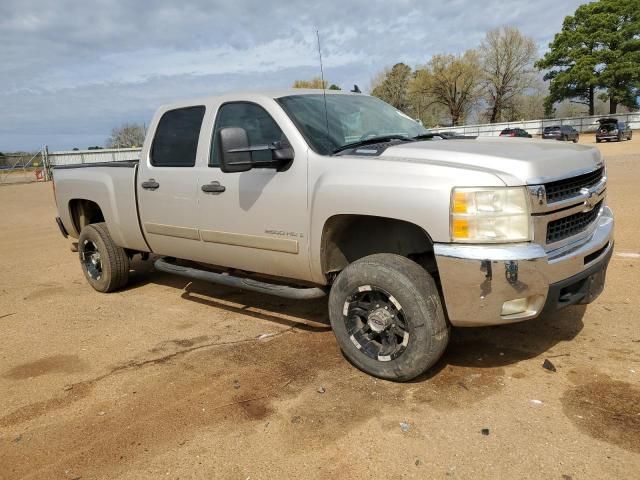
<point>245,283</point>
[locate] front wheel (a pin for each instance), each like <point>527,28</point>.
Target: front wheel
<point>105,265</point>
<point>386,313</point>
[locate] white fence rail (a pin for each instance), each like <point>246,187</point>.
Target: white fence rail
<point>74,157</point>
<point>535,127</point>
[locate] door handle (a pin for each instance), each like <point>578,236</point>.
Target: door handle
<point>150,184</point>
<point>213,187</point>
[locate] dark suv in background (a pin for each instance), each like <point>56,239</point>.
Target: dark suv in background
<point>515,132</point>
<point>613,129</point>
<point>561,132</point>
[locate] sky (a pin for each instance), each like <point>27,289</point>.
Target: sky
<point>70,71</point>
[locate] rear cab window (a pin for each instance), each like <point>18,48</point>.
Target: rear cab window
<point>175,143</point>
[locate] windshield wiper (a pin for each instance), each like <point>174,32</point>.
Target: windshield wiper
<point>370,141</point>
<point>442,136</point>
<point>425,136</point>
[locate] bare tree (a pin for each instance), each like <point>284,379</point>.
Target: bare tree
<point>528,105</point>
<point>315,82</point>
<point>452,81</point>
<point>507,58</point>
<point>127,135</point>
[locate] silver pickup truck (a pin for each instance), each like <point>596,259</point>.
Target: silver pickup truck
<point>304,193</point>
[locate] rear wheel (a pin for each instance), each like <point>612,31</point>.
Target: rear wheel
<point>386,313</point>
<point>575,139</point>
<point>105,265</point>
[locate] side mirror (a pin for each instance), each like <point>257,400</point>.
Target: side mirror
<point>282,155</point>
<point>237,153</point>
<point>234,149</point>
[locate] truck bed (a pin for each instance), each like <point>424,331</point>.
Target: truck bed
<point>112,186</point>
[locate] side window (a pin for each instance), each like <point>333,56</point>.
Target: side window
<point>176,140</point>
<point>261,129</point>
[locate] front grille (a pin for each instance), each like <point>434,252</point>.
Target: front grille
<point>570,187</point>
<point>571,225</point>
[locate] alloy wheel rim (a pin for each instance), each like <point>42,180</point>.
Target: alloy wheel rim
<point>376,323</point>
<point>91,259</point>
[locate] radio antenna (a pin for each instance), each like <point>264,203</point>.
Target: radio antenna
<point>324,92</point>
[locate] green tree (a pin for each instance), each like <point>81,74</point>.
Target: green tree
<point>620,51</point>
<point>507,58</point>
<point>392,86</point>
<point>597,48</point>
<point>333,86</point>
<point>452,81</point>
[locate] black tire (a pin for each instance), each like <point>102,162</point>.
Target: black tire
<point>565,139</point>
<point>575,139</point>
<point>105,265</point>
<point>417,302</point>
<point>597,140</point>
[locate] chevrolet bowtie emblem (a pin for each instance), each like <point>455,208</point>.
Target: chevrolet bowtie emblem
<point>591,201</point>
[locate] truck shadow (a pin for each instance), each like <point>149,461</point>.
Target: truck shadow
<point>504,345</point>
<point>307,315</point>
<point>478,347</point>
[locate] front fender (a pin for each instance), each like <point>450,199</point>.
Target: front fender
<point>414,193</point>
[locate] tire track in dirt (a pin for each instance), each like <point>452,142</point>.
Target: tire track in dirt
<point>218,387</point>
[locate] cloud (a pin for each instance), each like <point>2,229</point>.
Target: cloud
<point>71,70</point>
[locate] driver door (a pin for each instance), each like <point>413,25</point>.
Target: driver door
<point>255,220</point>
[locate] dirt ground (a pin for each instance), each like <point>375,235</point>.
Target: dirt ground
<point>171,379</point>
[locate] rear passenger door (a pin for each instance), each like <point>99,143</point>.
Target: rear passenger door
<point>167,183</point>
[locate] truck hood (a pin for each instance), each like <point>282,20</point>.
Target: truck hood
<point>515,161</point>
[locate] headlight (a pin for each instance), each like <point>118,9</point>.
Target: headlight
<point>489,215</point>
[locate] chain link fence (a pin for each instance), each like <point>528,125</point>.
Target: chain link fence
<point>24,168</point>
<point>36,167</point>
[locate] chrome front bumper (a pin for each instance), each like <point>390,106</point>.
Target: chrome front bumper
<point>477,280</point>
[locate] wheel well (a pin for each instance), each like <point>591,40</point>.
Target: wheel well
<point>346,238</point>
<point>84,212</point>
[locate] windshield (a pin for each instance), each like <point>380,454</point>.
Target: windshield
<point>351,118</point>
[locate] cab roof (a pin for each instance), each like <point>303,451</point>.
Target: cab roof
<point>255,95</point>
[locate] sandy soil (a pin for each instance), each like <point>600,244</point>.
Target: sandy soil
<point>168,379</point>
